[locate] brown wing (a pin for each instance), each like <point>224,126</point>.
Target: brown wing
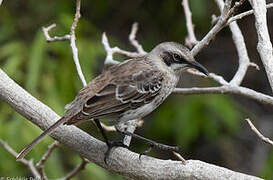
<point>123,92</point>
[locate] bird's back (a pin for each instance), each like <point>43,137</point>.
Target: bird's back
<point>101,92</point>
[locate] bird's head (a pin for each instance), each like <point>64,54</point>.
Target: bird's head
<point>176,57</point>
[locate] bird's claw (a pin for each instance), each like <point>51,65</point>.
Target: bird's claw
<point>160,146</point>
<point>110,145</point>
<point>145,152</point>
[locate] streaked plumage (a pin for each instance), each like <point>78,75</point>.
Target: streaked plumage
<point>129,90</point>
<point>123,89</point>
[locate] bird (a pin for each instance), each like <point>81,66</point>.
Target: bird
<point>126,91</point>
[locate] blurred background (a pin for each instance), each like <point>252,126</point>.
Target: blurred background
<point>211,128</point>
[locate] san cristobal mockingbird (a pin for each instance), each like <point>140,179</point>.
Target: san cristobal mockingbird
<point>127,91</point>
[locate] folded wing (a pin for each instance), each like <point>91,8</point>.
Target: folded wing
<point>122,94</point>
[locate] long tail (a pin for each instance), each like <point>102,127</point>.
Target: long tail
<point>39,138</point>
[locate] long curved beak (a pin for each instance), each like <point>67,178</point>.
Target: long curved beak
<point>199,67</point>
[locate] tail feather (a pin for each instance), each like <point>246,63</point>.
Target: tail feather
<point>39,138</point>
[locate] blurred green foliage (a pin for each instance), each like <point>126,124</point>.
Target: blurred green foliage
<point>47,71</point>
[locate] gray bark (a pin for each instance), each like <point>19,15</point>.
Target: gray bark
<point>121,161</point>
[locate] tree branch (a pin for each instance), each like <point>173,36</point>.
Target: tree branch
<point>255,130</point>
<point>55,38</point>
<point>121,161</point>
<point>239,41</point>
<point>264,46</point>
<point>221,23</point>
<point>28,163</point>
<point>228,89</point>
<point>70,37</point>
<point>133,41</point>
<point>190,39</point>
<point>51,147</point>
<point>77,169</point>
<point>244,14</point>
<point>73,42</point>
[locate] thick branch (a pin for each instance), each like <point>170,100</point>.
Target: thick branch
<point>264,46</point>
<point>121,160</point>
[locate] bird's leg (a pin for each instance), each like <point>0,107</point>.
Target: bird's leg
<point>145,152</point>
<point>152,143</point>
<point>110,144</point>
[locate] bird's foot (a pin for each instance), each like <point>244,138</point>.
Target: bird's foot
<point>152,144</point>
<point>145,152</point>
<point>110,145</point>
<point>156,145</point>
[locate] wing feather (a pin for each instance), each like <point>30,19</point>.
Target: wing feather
<point>122,94</point>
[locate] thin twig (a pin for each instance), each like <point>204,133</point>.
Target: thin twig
<point>70,37</point>
<point>76,18</point>
<point>134,42</point>
<point>244,61</point>
<point>51,147</point>
<point>55,38</point>
<point>255,130</point>
<point>190,40</point>
<point>228,89</point>
<point>26,162</point>
<point>77,169</point>
<point>73,42</point>
<point>239,42</point>
<point>111,51</point>
<point>195,72</point>
<point>109,60</point>
<point>254,65</point>
<point>221,23</point>
<point>244,14</point>
<point>212,76</point>
<point>218,79</point>
<point>180,157</point>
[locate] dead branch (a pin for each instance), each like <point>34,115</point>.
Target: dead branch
<point>121,161</point>
<point>255,130</point>
<point>28,163</point>
<point>190,40</point>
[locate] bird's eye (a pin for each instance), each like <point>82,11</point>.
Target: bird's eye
<point>176,57</point>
